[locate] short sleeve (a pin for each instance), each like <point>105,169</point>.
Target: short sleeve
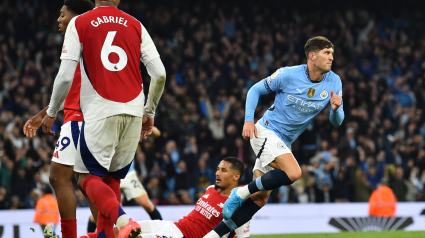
<point>71,49</point>
<point>148,49</point>
<point>277,81</point>
<point>243,231</point>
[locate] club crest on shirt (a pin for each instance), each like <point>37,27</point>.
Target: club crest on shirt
<point>311,92</point>
<point>281,145</point>
<point>324,94</point>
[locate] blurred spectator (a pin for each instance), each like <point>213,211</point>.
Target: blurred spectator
<point>204,177</point>
<point>397,183</point>
<point>185,197</point>
<point>4,201</point>
<point>324,183</point>
<point>362,188</point>
<point>341,187</point>
<point>154,190</point>
<point>182,177</point>
<point>16,202</point>
<point>172,199</point>
<point>31,200</point>
<point>19,185</point>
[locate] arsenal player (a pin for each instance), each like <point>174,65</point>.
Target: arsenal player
<point>208,211</point>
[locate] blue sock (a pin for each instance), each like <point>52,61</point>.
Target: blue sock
<point>269,181</point>
<point>155,215</point>
<point>240,217</point>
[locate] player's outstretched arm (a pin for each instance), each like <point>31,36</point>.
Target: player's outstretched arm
<point>337,112</point>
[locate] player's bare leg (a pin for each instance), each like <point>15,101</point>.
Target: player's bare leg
<point>289,165</point>
<point>61,180</point>
<point>144,202</point>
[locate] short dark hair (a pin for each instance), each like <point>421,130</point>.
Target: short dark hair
<point>79,6</point>
<point>317,43</point>
<point>236,164</point>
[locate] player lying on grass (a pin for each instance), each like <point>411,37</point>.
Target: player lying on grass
<point>208,211</point>
<point>301,93</point>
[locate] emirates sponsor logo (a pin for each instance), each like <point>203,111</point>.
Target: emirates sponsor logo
<point>206,209</point>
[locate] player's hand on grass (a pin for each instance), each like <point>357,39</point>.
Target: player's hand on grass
<point>335,101</point>
<point>32,125</point>
<point>147,126</point>
<point>47,125</point>
<point>249,130</point>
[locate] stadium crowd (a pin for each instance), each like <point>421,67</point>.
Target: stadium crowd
<point>213,53</point>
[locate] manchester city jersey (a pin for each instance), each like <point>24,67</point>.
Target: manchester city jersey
<point>298,100</point>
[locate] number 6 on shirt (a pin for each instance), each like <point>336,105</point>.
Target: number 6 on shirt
<point>107,49</point>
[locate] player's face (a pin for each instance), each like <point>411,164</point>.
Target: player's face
<point>225,175</point>
<point>323,59</point>
<point>64,18</point>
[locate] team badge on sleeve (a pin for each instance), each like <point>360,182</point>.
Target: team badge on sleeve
<point>324,94</point>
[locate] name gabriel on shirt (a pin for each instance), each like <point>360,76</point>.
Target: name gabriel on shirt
<point>109,19</point>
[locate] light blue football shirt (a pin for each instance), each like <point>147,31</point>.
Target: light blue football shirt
<point>298,100</point>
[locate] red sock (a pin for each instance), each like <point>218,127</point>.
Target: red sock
<point>102,196</point>
<point>69,228</point>
<point>103,223</point>
<point>114,184</point>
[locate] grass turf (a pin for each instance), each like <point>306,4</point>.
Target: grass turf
<point>386,234</point>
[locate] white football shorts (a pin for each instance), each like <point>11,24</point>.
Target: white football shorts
<point>66,147</point>
<point>131,186</point>
<point>158,228</point>
<point>107,146</point>
<point>267,147</point>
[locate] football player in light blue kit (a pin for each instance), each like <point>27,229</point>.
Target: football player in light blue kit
<point>301,93</point>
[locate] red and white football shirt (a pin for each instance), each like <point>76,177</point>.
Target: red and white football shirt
<point>206,216</point>
<point>109,44</point>
<point>71,106</point>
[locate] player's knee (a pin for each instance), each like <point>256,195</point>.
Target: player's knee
<point>58,180</point>
<point>294,175</point>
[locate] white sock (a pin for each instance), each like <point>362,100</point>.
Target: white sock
<point>243,192</point>
<point>122,221</point>
<point>212,234</point>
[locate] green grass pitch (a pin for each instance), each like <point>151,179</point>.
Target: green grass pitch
<point>387,234</point>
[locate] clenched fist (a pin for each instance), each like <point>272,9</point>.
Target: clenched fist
<point>335,101</point>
